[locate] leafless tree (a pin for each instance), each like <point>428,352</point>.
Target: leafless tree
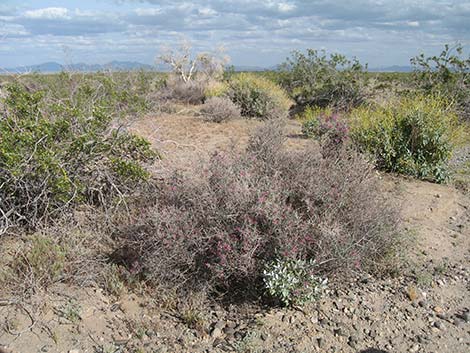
<point>207,65</point>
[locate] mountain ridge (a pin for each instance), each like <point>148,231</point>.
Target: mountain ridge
<point>115,65</point>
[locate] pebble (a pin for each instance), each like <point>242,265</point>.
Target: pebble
<point>229,331</point>
<point>216,332</point>
<point>413,349</point>
<point>466,316</point>
<point>439,325</point>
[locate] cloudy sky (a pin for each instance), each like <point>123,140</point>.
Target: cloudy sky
<point>255,32</point>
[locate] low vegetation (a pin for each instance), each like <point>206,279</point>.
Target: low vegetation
<point>263,221</point>
<point>258,97</point>
<point>55,154</point>
<point>218,229</point>
<point>414,136</point>
<point>446,74</point>
<point>314,79</point>
<point>219,109</point>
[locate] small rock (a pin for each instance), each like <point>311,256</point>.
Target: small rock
<point>219,324</point>
<point>413,349</point>
<point>320,342</point>
<point>466,316</point>
<point>229,331</point>
<point>439,325</point>
<point>422,303</point>
<point>74,351</point>
<point>217,342</point>
<point>216,332</point>
<point>231,324</point>
<point>442,316</point>
<point>438,310</point>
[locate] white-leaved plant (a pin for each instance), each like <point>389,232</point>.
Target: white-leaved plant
<point>293,281</point>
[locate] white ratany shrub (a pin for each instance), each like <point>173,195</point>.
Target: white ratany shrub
<point>293,282</point>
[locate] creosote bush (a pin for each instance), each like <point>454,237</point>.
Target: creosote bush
<point>258,97</point>
<point>218,228</point>
<point>447,74</point>
<point>56,153</point>
<point>414,136</point>
<point>315,79</point>
<point>219,109</point>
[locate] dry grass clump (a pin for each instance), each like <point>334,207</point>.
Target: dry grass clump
<point>219,109</point>
<point>218,228</point>
<point>67,252</point>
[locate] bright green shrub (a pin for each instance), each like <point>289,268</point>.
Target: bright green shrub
<point>258,97</point>
<point>414,136</point>
<point>56,154</point>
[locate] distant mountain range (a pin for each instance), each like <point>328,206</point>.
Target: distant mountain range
<point>394,68</point>
<point>54,67</point>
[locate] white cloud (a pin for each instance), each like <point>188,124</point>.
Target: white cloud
<point>49,13</point>
<point>286,7</point>
<point>148,12</point>
<point>413,23</point>
<point>366,28</point>
<point>207,12</point>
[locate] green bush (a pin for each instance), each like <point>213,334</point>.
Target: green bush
<point>57,153</point>
<point>313,79</point>
<point>447,74</point>
<point>258,97</point>
<point>414,136</point>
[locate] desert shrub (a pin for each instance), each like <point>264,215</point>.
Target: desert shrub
<point>190,92</point>
<point>447,74</point>
<point>258,97</point>
<point>325,125</point>
<point>217,228</point>
<point>216,89</point>
<point>218,109</point>
<point>192,75</point>
<point>55,154</point>
<point>413,136</point>
<point>293,282</point>
<point>42,263</point>
<point>313,79</point>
